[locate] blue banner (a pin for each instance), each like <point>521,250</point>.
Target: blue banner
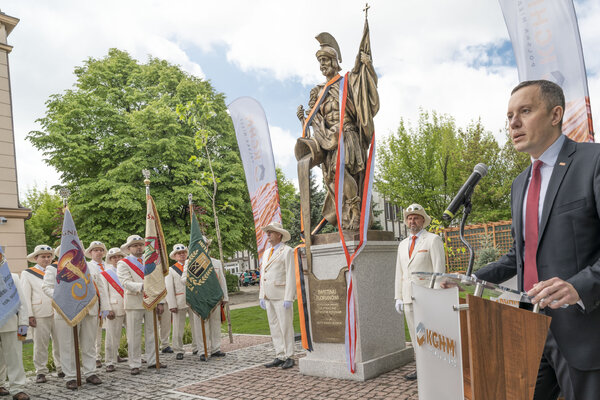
<point>9,297</point>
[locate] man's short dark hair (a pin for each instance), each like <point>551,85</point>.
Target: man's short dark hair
<point>551,93</point>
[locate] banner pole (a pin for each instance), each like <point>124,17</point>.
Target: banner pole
<point>228,322</point>
<point>154,318</point>
<point>77,364</point>
<point>204,339</point>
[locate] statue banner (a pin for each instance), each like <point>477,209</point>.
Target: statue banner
<point>546,43</point>
<point>254,141</point>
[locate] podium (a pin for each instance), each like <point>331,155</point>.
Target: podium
<point>475,340</point>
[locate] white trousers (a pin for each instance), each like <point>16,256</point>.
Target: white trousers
<point>179,319</point>
<point>281,324</point>
<point>44,330</point>
<point>409,315</point>
<point>11,362</point>
<point>164,327</point>
<point>212,327</point>
<point>86,331</point>
<point>134,319</point>
<point>99,340</point>
<point>112,339</point>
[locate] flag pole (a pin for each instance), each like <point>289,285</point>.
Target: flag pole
<point>65,193</point>
<point>146,174</point>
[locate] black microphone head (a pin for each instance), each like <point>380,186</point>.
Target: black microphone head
<point>481,169</point>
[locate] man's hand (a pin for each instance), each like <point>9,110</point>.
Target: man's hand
<point>553,293</point>
<point>262,303</point>
<point>365,58</point>
<point>300,113</point>
<point>160,309</point>
<point>32,322</point>
<point>104,314</point>
<point>399,306</point>
<point>173,310</point>
<point>287,304</point>
<point>22,330</point>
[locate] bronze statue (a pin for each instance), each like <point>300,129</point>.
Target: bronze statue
<point>323,114</point>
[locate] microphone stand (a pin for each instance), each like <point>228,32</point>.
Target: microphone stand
<point>466,212</point>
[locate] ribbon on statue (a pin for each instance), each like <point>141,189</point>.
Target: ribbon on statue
<point>350,329</point>
<point>302,302</point>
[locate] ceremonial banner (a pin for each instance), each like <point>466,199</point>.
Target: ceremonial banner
<point>254,142</point>
<point>9,297</point>
<point>156,265</point>
<point>203,291</point>
<point>74,292</point>
<point>546,43</point>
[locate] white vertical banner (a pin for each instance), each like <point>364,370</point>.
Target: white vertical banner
<point>254,141</point>
<point>546,42</point>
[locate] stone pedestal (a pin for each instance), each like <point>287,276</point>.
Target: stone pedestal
<point>381,343</point>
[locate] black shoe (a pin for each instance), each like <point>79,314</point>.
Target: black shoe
<point>153,366</point>
<point>275,363</point>
<point>218,353</point>
<point>93,379</point>
<point>179,356</point>
<point>120,360</point>
<point>135,371</point>
<point>41,378</point>
<point>4,391</point>
<point>195,352</point>
<point>202,357</point>
<point>167,349</point>
<point>61,374</point>
<point>71,385</point>
<point>411,377</point>
<point>289,363</point>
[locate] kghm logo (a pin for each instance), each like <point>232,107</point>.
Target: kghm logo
<point>441,346</point>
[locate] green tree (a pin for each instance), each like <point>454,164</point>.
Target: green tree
<point>429,163</point>
<point>119,118</point>
<point>46,218</point>
<point>287,200</point>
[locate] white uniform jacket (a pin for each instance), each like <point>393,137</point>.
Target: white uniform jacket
<point>175,288</point>
<point>22,316</point>
<point>38,303</point>
<point>427,256</point>
<point>277,275</point>
<point>133,284</point>
<point>115,300</point>
<point>221,276</point>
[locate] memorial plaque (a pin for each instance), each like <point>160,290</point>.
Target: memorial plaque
<point>328,307</point>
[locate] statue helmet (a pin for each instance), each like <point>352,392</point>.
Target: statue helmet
<point>329,46</point>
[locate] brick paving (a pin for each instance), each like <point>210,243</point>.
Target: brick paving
<point>239,375</point>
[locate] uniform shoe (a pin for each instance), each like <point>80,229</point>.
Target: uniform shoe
<point>289,363</point>
<point>153,366</point>
<point>72,384</point>
<point>411,377</point>
<point>3,391</point>
<point>179,356</point>
<point>98,363</point>
<point>202,357</point>
<point>120,360</point>
<point>93,379</point>
<point>110,368</point>
<point>218,353</point>
<point>195,352</point>
<point>135,371</point>
<point>61,374</point>
<point>167,349</point>
<point>275,363</point>
<point>21,396</point>
<point>41,378</point>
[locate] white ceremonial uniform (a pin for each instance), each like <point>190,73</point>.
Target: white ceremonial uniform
<point>11,349</point>
<point>427,256</point>
<point>40,306</point>
<point>176,299</point>
<point>136,314</point>
<point>86,329</point>
<point>164,327</point>
<point>278,284</point>
<point>98,267</point>
<point>116,304</point>
<point>212,325</point>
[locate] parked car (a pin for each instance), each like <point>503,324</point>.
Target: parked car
<point>247,278</point>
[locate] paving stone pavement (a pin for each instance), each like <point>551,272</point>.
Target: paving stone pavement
<point>239,375</point>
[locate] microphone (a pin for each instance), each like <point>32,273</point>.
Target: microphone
<point>465,191</point>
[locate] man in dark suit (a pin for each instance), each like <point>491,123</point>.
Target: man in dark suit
<point>556,229</point>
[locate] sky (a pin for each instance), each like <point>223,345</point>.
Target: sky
<point>452,57</point>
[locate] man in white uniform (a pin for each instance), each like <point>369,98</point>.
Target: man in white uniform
<point>277,293</point>
<point>40,311</point>
<point>421,251</point>
<point>96,251</point>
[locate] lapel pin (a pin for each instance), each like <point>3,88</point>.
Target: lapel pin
<point>562,164</point>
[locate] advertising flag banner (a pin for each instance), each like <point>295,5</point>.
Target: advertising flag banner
<point>156,265</point>
<point>74,292</point>
<point>546,42</point>
<point>9,297</point>
<point>203,291</point>
<point>254,141</point>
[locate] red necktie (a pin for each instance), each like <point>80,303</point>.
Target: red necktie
<point>101,267</point>
<point>531,226</point>
<point>412,246</point>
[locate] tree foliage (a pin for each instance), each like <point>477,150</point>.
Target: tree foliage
<point>46,218</point>
<point>119,118</point>
<point>428,165</point>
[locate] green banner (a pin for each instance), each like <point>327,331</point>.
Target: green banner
<point>203,291</point>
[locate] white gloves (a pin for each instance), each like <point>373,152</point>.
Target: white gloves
<point>287,304</point>
<point>399,306</point>
<point>262,304</point>
<point>22,330</point>
<point>104,314</point>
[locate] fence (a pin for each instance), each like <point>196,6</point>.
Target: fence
<point>492,234</point>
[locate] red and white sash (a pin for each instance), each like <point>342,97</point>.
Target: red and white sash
<point>112,278</point>
<point>135,265</point>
